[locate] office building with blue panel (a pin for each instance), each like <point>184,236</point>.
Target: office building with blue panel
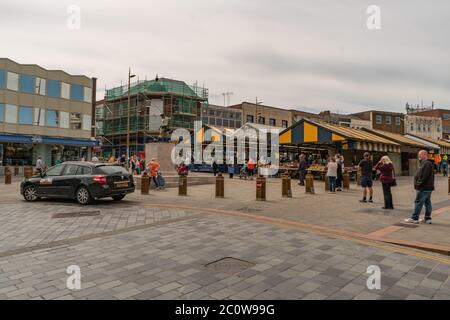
<point>45,113</point>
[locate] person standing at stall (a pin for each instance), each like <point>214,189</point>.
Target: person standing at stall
<point>365,172</point>
<point>444,165</point>
<point>302,167</point>
<point>387,179</point>
<point>340,168</point>
<point>332,167</point>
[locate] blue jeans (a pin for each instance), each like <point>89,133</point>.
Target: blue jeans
<point>422,198</point>
<point>332,181</point>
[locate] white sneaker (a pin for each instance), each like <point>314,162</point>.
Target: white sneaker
<point>409,220</point>
<point>427,221</point>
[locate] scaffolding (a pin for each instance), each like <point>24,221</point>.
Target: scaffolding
<point>180,103</point>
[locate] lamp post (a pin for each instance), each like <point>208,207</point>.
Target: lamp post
<point>128,114</point>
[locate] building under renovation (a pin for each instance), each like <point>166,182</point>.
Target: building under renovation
<point>157,107</point>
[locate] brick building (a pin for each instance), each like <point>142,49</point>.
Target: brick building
<point>383,120</point>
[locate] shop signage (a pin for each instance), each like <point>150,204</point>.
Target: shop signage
<point>36,139</point>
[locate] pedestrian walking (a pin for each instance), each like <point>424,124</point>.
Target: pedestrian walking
<point>215,167</point>
<point>182,169</point>
<point>424,185</point>
<point>40,167</point>
<point>444,165</point>
<point>231,170</point>
<point>332,167</point>
<point>134,164</point>
<point>302,167</point>
<point>365,168</point>
<point>387,178</point>
<point>153,167</point>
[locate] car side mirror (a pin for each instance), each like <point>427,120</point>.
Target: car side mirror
<point>43,174</point>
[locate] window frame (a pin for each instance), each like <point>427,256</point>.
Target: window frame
<point>19,118</point>
<point>51,90</point>
<point>27,83</point>
<point>8,106</point>
<point>14,76</point>
<point>47,112</point>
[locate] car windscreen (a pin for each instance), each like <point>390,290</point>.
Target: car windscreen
<point>108,170</point>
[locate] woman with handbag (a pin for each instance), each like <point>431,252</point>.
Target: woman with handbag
<point>387,179</point>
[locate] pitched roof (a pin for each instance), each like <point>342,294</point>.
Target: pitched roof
<point>396,137</point>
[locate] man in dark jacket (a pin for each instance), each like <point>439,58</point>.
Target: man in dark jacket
<point>302,167</point>
<point>424,185</point>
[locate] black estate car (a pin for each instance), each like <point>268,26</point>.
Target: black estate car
<point>83,181</point>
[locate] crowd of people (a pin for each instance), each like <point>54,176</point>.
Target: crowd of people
<point>385,172</point>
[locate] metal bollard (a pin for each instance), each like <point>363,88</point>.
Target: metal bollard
<point>309,183</point>
<point>327,184</point>
<point>448,185</point>
<point>346,180</point>
<point>260,189</point>
<point>182,186</point>
<point>220,186</point>
<point>145,183</point>
<point>286,190</point>
<point>8,175</point>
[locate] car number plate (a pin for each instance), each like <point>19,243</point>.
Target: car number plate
<point>122,184</point>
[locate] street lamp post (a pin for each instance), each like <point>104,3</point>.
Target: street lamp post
<point>128,114</point>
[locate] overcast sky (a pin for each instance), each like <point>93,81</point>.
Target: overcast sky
<point>312,55</point>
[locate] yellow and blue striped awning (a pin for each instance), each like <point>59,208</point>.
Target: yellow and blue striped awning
<point>307,132</point>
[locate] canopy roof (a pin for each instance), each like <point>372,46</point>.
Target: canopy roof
<point>401,139</point>
<point>310,132</point>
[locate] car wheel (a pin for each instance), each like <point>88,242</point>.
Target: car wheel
<point>83,196</point>
<point>118,198</point>
<point>30,193</point>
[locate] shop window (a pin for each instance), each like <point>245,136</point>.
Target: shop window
<point>65,90</point>
<point>39,117</point>
<point>2,112</point>
<point>51,118</point>
<point>40,86</point>
<point>75,121</point>
<point>26,83</point>
<point>64,120</point>
<point>87,95</point>
<point>12,81</point>
<point>76,92</point>
<point>87,119</point>
<point>11,113</point>
<point>2,79</point>
<point>273,122</point>
<point>284,123</point>
<point>26,115</point>
<point>54,88</point>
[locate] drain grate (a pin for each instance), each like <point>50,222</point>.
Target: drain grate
<point>76,214</point>
<point>406,225</point>
<point>229,265</point>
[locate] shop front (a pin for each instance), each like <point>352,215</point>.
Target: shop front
<point>319,141</point>
<point>24,150</point>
